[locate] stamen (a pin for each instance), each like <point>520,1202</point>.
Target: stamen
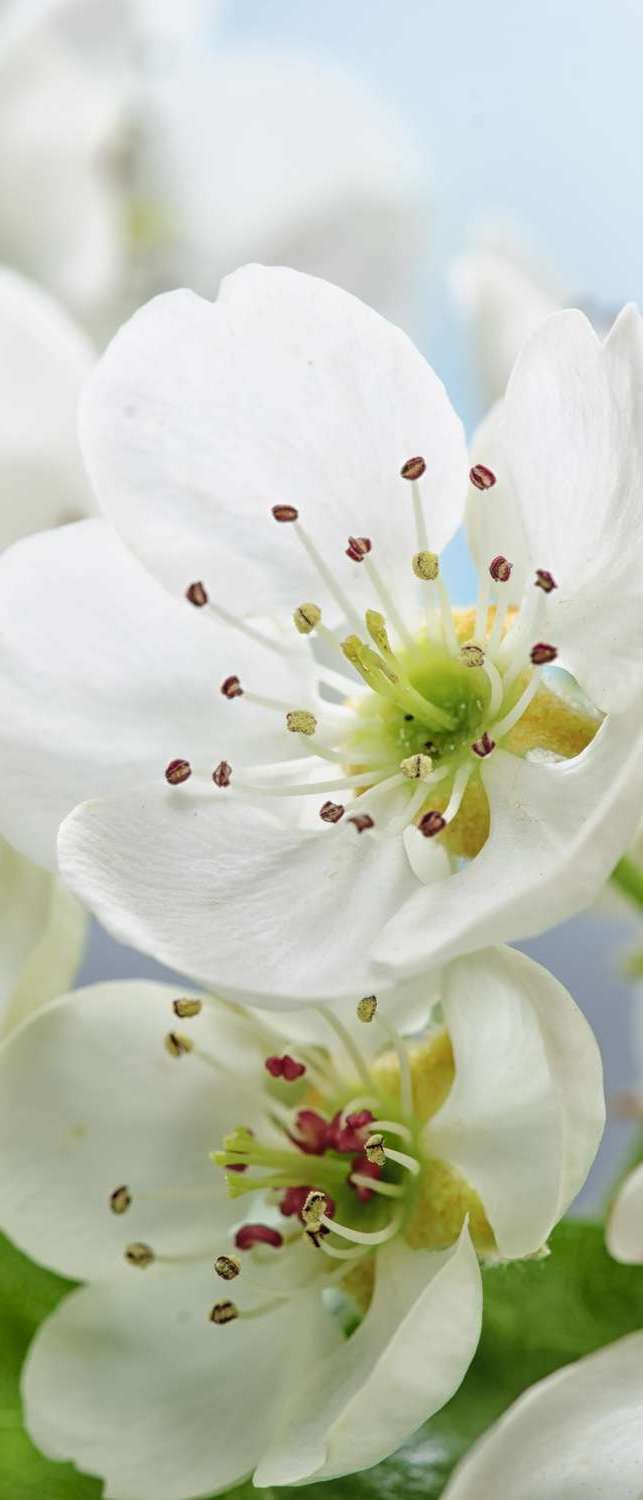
<point>186,1009</point>
<point>362,822</point>
<point>502,726</point>
<point>314,1209</point>
<point>363,1236</point>
<point>426,565</point>
<point>177,772</point>
<point>417,767</point>
<point>257,1234</point>
<point>358,547</point>
<point>482,477</point>
<point>545,581</point>
<point>460,782</point>
<point>387,600</point>
<point>224,1312</point>
<point>404,1064</point>
<point>227,1267</point>
<point>331,812</point>
<point>197,595</point>
<point>403,1160</point>
<point>231,687</point>
<point>495,634</point>
<point>393,1127</point>
<point>500,569</point>
<point>350,1046</point>
<point>336,1254</point>
<point>374,1150</point>
<point>373,1185</point>
<point>120,1199</point>
<point>431,824</point>
<point>177,1044</point>
<point>496,685</point>
<point>483,746</point>
<point>472,655</point>
<point>140,1255</point>
<point>285,513</point>
<point>482,607</point>
<point>300,721</point>
<point>284,1067</point>
<point>324,572</point>
<point>414,468</point>
<point>541,654</point>
<point>222,774</point>
<point>306,618</point>
<point>366,1008</point>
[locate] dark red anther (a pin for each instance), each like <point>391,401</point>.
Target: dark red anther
<point>482,477</point>
<point>177,772</point>
<point>365,1168</point>
<point>358,547</point>
<point>222,774</point>
<point>545,581</point>
<point>285,512</point>
<point>293,1201</point>
<point>197,595</point>
<point>350,1135</point>
<point>541,654</point>
<point>231,687</point>
<point>500,569</point>
<point>285,1067</point>
<point>331,812</point>
<point>414,468</point>
<point>361,822</point>
<point>431,823</point>
<point>483,746</point>
<point>236,1166</point>
<point>257,1234</point>
<point>311,1133</point>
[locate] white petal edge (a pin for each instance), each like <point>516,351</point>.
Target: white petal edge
<point>42,935</point>
<point>624,1232</point>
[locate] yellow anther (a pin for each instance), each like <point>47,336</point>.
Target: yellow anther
<point>417,767</point>
<point>306,618</point>
<point>314,1209</point>
<point>224,1312</point>
<point>376,626</point>
<point>186,1009</point>
<point>300,721</point>
<point>177,1044</point>
<point>374,1150</point>
<point>138,1254</point>
<point>472,655</point>
<point>119,1200</point>
<point>366,1008</point>
<point>227,1267</point>
<point>426,565</point>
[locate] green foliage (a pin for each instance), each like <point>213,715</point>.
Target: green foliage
<point>538,1315</point>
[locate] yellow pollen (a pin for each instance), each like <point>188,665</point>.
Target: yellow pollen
<point>186,1009</point>
<point>300,721</point>
<point>426,565</point>
<point>306,618</point>
<point>416,767</point>
<point>366,1008</point>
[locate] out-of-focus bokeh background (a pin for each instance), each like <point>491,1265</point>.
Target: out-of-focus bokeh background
<point>398,139</point>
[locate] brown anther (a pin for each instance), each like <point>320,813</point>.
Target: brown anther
<point>374,1150</point>
<point>224,1312</point>
<point>301,721</point>
<point>483,746</point>
<point>177,1044</point>
<point>177,772</point>
<point>186,1009</point>
<point>222,774</point>
<point>431,824</point>
<point>138,1254</point>
<point>285,512</point>
<point>362,821</point>
<point>482,477</point>
<point>314,1209</point>
<point>426,565</point>
<point>331,812</point>
<point>197,595</point>
<point>366,1008</point>
<point>358,547</point>
<point>227,1267</point>
<point>545,581</point>
<point>231,687</point>
<point>306,618</point>
<point>414,468</point>
<point>500,569</point>
<point>472,655</point>
<point>541,654</point>
<point>119,1200</point>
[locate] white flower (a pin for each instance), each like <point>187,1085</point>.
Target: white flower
<point>357,1162</point>
<point>171,160</point>
<point>624,1234</point>
<point>199,420</point>
<point>45,359</point>
<point>575,1436</point>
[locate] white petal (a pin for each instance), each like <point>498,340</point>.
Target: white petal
<point>132,1382</point>
<point>42,932</point>
<point>44,359</point>
<point>504,299</point>
<point>200,417</point>
<point>493,517</point>
<point>405,1361</point>
<point>525,1114</point>
<point>63,226</point>
<point>557,830</point>
<point>575,1436</point>
<point>104,680</point>
<point>90,1100</point>
<point>624,1234</point>
<point>268,914</point>
<point>292,162</point>
<point>573,438</point>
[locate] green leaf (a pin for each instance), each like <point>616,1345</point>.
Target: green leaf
<point>538,1316</point>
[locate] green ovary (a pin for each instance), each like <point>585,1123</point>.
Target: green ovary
<point>385,729</point>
